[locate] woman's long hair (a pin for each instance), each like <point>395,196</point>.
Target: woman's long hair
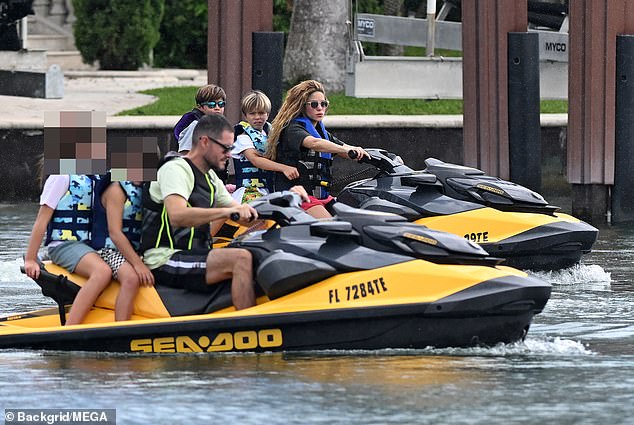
<point>292,107</point>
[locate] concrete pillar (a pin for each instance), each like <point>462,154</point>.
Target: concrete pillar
<point>229,40</point>
<point>485,25</point>
<point>594,25</point>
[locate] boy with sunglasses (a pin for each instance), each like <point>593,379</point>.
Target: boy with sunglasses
<point>210,99</point>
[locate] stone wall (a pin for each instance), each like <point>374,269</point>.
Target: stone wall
<point>22,147</point>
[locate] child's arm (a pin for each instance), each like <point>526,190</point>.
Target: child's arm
<point>113,200</point>
<point>31,266</point>
<point>259,161</point>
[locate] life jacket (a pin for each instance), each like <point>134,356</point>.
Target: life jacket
<point>157,230</point>
<point>72,218</point>
<point>132,214</point>
<point>314,167</point>
<point>246,174</point>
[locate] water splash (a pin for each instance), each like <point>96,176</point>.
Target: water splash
<point>10,271</point>
<point>590,276</point>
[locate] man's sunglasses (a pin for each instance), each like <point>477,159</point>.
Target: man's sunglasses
<point>225,148</point>
<point>213,104</point>
<point>314,104</point>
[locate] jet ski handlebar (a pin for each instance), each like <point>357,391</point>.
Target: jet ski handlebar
<point>384,161</point>
<point>282,207</point>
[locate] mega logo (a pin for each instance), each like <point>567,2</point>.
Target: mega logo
<point>224,341</point>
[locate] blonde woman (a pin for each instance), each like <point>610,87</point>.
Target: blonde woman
<point>299,139</point>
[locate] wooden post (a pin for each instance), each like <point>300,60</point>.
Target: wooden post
<point>485,25</point>
<point>594,25</point>
<point>229,42</point>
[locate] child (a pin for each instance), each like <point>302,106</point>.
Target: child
<point>65,215</point>
<point>120,205</point>
<point>210,99</point>
<point>252,178</point>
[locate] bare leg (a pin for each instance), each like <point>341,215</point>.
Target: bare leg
<point>235,264</point>
<point>319,211</point>
<point>129,281</point>
<point>99,275</point>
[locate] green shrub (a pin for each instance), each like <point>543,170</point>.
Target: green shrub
<point>120,34</point>
<point>183,42</point>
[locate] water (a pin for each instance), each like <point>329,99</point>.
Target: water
<point>575,367</point>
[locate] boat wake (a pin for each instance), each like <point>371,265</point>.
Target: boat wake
<point>589,276</point>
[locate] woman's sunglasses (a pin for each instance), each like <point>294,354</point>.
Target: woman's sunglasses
<point>213,104</point>
<point>314,104</point>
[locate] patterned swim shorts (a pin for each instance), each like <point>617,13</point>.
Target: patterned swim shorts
<point>113,258</point>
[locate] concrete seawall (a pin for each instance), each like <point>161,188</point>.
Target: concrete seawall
<point>414,138</point>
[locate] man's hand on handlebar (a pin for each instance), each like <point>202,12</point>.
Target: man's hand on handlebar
<point>243,214</point>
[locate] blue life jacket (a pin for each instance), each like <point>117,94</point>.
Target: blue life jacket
<point>315,167</point>
<point>132,215</point>
<point>248,175</point>
<point>72,218</point>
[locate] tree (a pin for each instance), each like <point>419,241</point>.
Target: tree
<point>120,34</point>
<point>316,46</point>
<point>183,42</point>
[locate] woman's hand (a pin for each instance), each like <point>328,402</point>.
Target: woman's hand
<point>290,173</point>
<point>360,152</point>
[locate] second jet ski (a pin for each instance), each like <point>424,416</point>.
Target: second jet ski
<point>506,219</point>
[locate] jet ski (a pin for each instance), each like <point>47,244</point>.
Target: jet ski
<point>506,219</point>
<point>367,280</point>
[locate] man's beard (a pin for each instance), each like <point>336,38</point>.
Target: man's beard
<point>219,171</point>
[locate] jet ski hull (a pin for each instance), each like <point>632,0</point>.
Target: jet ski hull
<point>333,314</point>
<point>526,240</point>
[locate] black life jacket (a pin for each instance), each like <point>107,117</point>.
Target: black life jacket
<point>157,230</point>
<point>314,167</point>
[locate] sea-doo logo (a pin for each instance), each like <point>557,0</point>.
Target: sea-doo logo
<point>224,341</point>
<point>420,238</point>
<point>490,189</point>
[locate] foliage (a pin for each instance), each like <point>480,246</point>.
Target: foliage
<point>120,34</point>
<point>183,42</point>
<point>175,100</point>
<point>282,11</point>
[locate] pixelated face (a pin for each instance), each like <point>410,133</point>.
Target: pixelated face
<point>74,142</point>
<point>133,158</point>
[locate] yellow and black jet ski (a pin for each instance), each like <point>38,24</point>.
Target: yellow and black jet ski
<point>506,219</point>
<point>367,280</point>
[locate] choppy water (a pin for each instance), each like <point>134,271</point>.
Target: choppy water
<point>575,367</point>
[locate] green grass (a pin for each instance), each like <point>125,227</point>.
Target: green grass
<point>178,100</point>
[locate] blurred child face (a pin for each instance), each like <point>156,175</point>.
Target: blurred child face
<point>216,106</point>
<point>257,119</point>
